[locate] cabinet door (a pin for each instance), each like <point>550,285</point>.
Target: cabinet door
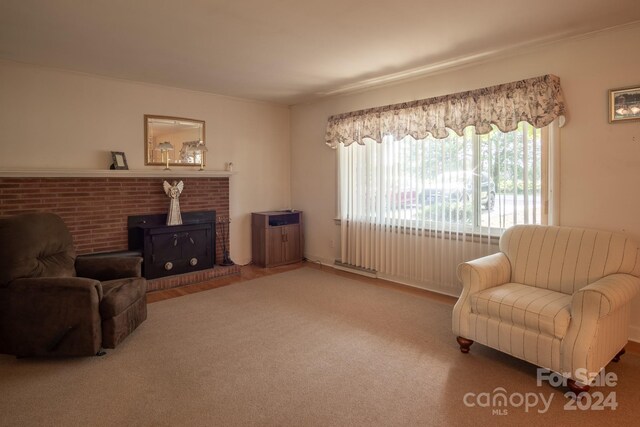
<point>292,249</point>
<point>275,246</point>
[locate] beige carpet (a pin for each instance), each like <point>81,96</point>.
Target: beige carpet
<point>304,347</point>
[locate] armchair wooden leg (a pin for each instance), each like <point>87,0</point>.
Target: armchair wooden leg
<point>616,358</point>
<point>464,344</point>
<point>578,388</point>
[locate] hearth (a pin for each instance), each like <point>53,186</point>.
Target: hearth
<point>174,249</point>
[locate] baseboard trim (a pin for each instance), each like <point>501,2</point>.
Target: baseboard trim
<point>356,270</point>
<point>338,265</point>
<point>379,280</point>
<point>425,286</point>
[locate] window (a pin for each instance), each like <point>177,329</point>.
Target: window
<point>430,183</point>
<point>469,183</point>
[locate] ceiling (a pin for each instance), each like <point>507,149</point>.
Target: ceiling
<point>286,51</point>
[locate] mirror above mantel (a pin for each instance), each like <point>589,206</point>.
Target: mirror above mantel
<point>174,141</point>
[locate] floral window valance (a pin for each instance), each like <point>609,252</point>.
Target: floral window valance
<point>538,101</point>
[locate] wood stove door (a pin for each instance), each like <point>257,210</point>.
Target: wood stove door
<point>177,249</point>
<point>166,247</point>
<point>196,247</point>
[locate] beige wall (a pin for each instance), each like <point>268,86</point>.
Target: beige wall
<point>57,119</point>
<point>600,162</point>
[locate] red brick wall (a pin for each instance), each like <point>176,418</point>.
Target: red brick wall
<point>96,209</point>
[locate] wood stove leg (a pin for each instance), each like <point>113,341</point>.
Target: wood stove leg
<point>616,358</point>
<point>464,344</point>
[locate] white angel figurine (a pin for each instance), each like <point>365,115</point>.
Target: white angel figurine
<point>173,191</point>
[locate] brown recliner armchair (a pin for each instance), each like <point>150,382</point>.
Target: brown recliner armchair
<point>54,304</point>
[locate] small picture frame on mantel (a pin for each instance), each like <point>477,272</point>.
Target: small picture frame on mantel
<point>119,160</point>
<point>624,104</point>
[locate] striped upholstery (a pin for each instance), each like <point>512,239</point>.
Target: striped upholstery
<point>558,297</point>
<point>566,259</point>
<point>541,310</point>
<point>539,349</point>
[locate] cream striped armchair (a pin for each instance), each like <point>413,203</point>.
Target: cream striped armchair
<point>557,297</point>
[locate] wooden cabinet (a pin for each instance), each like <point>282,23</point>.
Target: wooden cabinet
<point>276,237</point>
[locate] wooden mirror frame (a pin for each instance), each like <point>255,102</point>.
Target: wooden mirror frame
<point>180,124</point>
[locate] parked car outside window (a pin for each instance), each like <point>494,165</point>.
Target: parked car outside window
<point>458,186</point>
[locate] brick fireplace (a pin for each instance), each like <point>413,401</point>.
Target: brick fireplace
<point>96,208</point>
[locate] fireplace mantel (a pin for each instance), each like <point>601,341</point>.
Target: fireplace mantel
<point>177,172</point>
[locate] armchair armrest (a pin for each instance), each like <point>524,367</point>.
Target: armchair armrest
<point>485,272</point>
<point>109,268</point>
<point>477,275</point>
<point>599,326</point>
<point>608,294</point>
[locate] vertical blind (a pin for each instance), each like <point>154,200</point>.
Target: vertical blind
<point>413,208</point>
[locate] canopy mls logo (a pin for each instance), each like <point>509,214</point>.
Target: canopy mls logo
<point>500,401</point>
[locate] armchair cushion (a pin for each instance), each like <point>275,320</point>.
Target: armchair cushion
<point>542,310</point>
<point>35,245</point>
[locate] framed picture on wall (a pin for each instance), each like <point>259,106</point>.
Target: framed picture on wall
<point>624,104</point>
<point>119,160</point>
